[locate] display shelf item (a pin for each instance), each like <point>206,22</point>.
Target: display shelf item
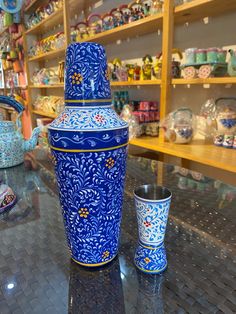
<point>48,23</point>
<point>49,55</point>
<point>141,27</point>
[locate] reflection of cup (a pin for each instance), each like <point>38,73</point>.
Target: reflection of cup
<point>150,294</point>
<point>96,291</point>
<point>152,205</point>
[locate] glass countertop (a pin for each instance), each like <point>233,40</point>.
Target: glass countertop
<point>38,276</point>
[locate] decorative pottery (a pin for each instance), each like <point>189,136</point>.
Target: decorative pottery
<point>225,121</point>
<point>12,144</point>
<point>152,204</point>
<point>89,146</point>
<point>7,198</point>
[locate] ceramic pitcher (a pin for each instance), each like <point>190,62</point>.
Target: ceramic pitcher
<point>89,147</point>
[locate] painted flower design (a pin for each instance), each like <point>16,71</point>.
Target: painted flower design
<point>147,260</point>
<point>83,212</point>
<point>99,118</point>
<point>147,224</point>
<point>63,117</point>
<point>77,78</point>
<point>105,254</point>
<point>110,163</point>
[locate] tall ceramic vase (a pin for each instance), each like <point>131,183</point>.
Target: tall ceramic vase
<point>88,141</point>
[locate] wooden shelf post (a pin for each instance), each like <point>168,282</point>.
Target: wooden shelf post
<point>167,42</point>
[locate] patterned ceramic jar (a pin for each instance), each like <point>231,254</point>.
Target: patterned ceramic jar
<point>152,204</point>
<point>89,147</point>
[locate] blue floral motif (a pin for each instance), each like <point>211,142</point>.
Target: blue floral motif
<point>88,119</point>
<point>151,260</point>
<point>152,220</point>
<point>91,192</point>
<point>86,140</point>
<point>86,61</point>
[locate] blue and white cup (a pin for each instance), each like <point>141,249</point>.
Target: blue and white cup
<point>152,204</point>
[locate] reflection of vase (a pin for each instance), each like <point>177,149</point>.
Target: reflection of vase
<point>89,146</point>
<point>152,204</point>
<point>93,291</point>
<point>150,294</point>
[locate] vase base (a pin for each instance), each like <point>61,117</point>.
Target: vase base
<point>151,261</point>
<point>94,265</point>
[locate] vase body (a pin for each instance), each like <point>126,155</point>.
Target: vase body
<point>152,206</point>
<point>89,141</point>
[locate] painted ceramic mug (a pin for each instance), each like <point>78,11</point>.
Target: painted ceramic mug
<point>152,204</point>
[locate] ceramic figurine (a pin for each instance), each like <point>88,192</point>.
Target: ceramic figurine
<point>156,7</point>
<point>137,72</point>
<point>88,142</point>
<point>146,6</point>
<point>12,144</point>
<point>156,70</point>
<point>119,72</point>
<point>147,68</point>
<point>130,71</point>
<point>152,204</point>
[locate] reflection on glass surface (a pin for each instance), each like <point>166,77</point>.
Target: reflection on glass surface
<point>200,243</point>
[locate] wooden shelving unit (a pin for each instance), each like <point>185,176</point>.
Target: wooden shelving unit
<point>136,83</point>
<point>49,55</point>
<point>47,24</point>
<point>198,151</point>
<point>59,85</point>
<point>210,80</point>
<point>45,114</point>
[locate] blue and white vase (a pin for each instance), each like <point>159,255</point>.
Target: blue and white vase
<point>152,204</point>
<point>89,142</point>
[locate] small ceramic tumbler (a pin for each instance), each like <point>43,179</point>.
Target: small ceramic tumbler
<point>152,204</point>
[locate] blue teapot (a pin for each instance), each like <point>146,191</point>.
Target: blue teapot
<point>12,144</point>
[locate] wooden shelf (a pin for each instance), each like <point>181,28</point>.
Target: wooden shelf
<point>198,9</point>
<point>136,83</point>
<point>47,24</point>
<point>3,31</point>
<point>147,25</point>
<point>34,4</point>
<point>59,85</point>
<point>49,55</point>
<point>198,151</point>
<point>210,80</point>
<point>45,114</point>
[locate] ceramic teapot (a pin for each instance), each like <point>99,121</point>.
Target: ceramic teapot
<point>225,121</point>
<point>12,144</point>
<point>232,63</point>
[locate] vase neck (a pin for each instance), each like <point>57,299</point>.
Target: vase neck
<point>88,103</point>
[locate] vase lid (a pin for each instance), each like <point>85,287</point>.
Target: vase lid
<point>86,75</point>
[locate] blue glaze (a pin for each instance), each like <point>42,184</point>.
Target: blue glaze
<point>152,216</point>
<point>12,144</point>
<point>89,148</point>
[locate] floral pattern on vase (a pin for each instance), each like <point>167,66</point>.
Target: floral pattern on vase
<point>89,146</point>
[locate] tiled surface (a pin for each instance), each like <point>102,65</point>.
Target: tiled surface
<point>37,275</point>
